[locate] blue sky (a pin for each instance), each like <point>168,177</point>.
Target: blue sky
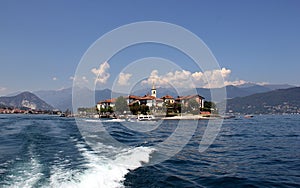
<point>42,42</point>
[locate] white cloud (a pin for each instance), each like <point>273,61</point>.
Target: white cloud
<point>197,76</point>
<point>216,78</point>
<point>225,72</point>
<point>123,79</point>
<point>241,82</point>
<point>71,78</point>
<point>180,78</point>
<point>54,78</point>
<point>236,82</point>
<point>262,83</point>
<point>187,79</point>
<point>101,73</point>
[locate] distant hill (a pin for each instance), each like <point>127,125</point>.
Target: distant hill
<point>239,91</point>
<point>62,99</point>
<point>25,100</point>
<point>268,86</point>
<point>276,101</point>
<point>232,91</point>
<point>106,94</point>
<point>278,86</point>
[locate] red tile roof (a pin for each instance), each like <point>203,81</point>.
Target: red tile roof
<point>133,102</point>
<point>113,100</point>
<point>188,97</point>
<point>147,98</point>
<point>133,97</point>
<point>167,97</point>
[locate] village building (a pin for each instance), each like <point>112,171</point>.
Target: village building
<point>168,99</point>
<point>148,100</point>
<point>159,102</point>
<point>132,99</point>
<point>152,101</point>
<point>106,103</point>
<point>153,91</point>
<point>184,100</point>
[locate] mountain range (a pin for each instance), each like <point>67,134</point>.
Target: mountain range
<point>25,100</point>
<point>241,90</point>
<point>62,99</point>
<point>272,102</point>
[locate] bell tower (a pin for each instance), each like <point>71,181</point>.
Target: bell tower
<point>153,90</point>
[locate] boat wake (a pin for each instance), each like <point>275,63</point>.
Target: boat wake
<point>104,120</point>
<point>24,173</point>
<point>101,171</point>
<point>104,166</point>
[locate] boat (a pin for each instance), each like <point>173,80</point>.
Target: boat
<point>228,116</point>
<point>248,116</point>
<point>146,118</point>
<point>62,115</point>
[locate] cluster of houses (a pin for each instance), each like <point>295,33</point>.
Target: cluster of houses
<point>12,110</point>
<point>152,101</point>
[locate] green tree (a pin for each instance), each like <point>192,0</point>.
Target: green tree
<point>177,108</point>
<point>102,111</point>
<point>209,106</point>
<point>135,108</point>
<point>121,105</point>
<point>144,109</point>
<point>193,104</point>
<point>110,109</point>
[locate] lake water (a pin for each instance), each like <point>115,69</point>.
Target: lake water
<point>49,151</point>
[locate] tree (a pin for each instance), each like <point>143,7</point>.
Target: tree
<point>177,107</point>
<point>144,109</point>
<point>209,106</point>
<point>135,108</point>
<point>193,104</point>
<point>121,105</point>
<point>102,110</point>
<point>110,109</point>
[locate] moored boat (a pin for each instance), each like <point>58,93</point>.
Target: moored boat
<point>146,118</point>
<point>248,116</point>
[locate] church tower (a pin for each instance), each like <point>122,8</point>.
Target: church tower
<point>153,90</point>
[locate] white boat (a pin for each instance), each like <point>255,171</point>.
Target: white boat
<point>249,116</point>
<point>146,118</point>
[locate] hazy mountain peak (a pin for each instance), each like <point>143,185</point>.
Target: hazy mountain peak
<point>25,100</point>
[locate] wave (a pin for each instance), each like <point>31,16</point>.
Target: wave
<point>25,174</point>
<point>104,120</point>
<point>100,170</point>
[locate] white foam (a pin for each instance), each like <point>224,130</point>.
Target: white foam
<point>102,171</point>
<point>103,120</point>
<point>92,120</point>
<point>114,120</point>
<point>133,158</point>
